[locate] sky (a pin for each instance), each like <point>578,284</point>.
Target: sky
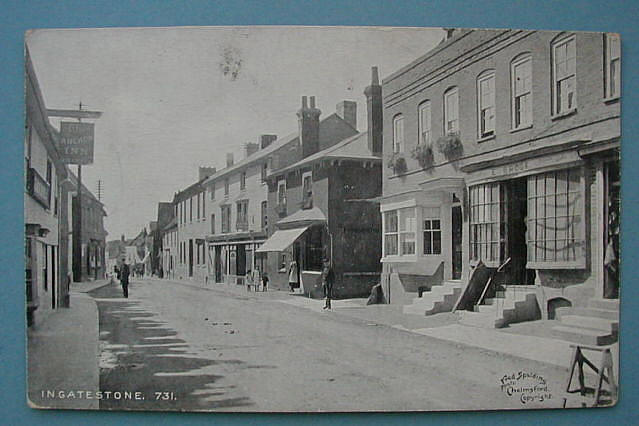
<point>173,99</point>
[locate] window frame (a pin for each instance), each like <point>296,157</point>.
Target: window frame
<point>399,133</point>
<point>557,110</point>
<point>424,106</point>
<point>432,231</point>
<point>452,91</point>
<point>227,185</point>
<point>611,92</point>
<point>307,194</point>
<point>243,180</point>
<point>226,208</point>
<point>212,188</point>
<point>398,233</point>
<point>519,61</point>
<point>281,192</point>
<point>483,132</point>
<point>241,219</point>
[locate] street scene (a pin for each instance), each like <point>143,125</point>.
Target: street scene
<point>245,219</point>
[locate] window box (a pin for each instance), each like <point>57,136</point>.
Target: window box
<point>397,163</point>
<point>450,145</point>
<point>424,155</point>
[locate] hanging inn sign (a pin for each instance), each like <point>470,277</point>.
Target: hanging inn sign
<point>76,142</point>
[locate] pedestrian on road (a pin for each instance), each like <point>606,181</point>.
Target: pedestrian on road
<point>327,283</point>
<point>293,276</point>
<point>264,282</point>
<point>124,279</point>
<point>255,276</point>
<point>249,280</point>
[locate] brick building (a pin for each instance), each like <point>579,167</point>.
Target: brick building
<point>238,195</point>
<point>503,145</point>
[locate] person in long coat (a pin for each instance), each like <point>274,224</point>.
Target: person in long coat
<point>327,282</point>
<point>124,279</point>
<point>293,276</point>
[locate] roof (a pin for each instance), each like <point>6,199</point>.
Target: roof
<point>312,215</point>
<point>326,135</point>
<point>172,224</point>
<point>85,191</point>
<point>353,148</point>
<point>189,191</point>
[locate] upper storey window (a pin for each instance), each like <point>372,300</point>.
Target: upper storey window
<point>424,124</point>
<point>398,133</point>
<point>451,111</point>
<point>486,104</point>
<point>613,66</point>
<point>521,87</point>
<point>564,61</point>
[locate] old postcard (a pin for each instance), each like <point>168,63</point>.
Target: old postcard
<point>332,219</point>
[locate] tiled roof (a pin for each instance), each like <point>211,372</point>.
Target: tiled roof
<point>353,148</point>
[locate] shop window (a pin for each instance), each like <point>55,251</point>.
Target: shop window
<point>431,229</point>
<point>521,88</point>
<point>398,133</point>
<point>399,232</point>
<point>451,111</point>
<point>486,104</point>
<point>313,249</point>
<point>424,124</point>
<point>555,229</point>
<point>487,223</point>
<point>564,75</point>
<point>613,66</point>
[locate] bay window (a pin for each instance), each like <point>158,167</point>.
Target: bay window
<point>431,229</point>
<point>400,232</point>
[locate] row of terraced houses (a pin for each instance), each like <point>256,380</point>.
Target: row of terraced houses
<point>496,154</point>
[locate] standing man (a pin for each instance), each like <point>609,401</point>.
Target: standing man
<point>124,279</point>
<point>327,283</point>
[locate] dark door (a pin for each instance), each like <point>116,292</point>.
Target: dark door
<point>241,259</point>
<point>218,264</point>
<point>456,242</point>
<point>190,258</point>
<point>612,185</point>
<point>516,214</point>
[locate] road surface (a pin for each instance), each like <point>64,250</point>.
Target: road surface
<point>182,347</point>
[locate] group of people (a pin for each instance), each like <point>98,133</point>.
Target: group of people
<point>254,279</point>
<point>327,278</point>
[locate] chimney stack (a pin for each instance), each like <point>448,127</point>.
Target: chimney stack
<point>229,159</point>
<point>308,120</point>
<point>204,172</point>
<point>251,148</point>
<point>266,140</point>
<point>347,110</point>
<point>374,113</point>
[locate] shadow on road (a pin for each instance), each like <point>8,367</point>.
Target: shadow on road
<point>140,354</point>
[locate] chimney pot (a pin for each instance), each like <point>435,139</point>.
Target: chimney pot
<point>347,110</point>
<point>312,101</point>
<point>229,159</point>
<point>251,148</point>
<point>304,105</point>
<point>374,77</point>
<point>266,140</point>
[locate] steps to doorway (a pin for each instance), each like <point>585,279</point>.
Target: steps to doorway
<point>596,325</point>
<point>440,298</point>
<point>512,305</point>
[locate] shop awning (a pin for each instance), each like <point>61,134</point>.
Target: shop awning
<point>282,239</point>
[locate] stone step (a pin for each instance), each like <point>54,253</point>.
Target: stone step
<point>587,312</point>
<point>591,322</point>
<point>430,303</point>
<point>609,304</point>
<point>481,319</point>
<point>584,336</point>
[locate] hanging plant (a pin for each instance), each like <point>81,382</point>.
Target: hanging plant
<point>397,163</point>
<point>424,155</point>
<point>450,145</point>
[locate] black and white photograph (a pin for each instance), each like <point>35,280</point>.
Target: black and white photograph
<point>303,219</point>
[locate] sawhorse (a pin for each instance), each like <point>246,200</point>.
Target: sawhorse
<point>578,361</point>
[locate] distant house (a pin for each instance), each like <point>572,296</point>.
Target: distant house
<point>238,195</point>
<point>325,206</point>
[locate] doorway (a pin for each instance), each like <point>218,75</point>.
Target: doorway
<point>612,186</point>
<point>515,222</point>
<point>218,264</point>
<point>456,223</point>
